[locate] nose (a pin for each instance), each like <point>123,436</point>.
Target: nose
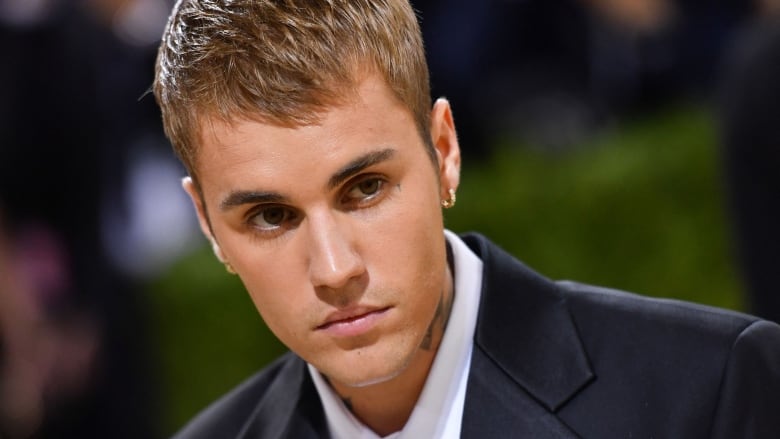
<point>333,258</point>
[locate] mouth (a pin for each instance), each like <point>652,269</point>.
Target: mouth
<point>352,322</point>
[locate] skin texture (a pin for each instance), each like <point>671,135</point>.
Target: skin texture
<point>340,220</point>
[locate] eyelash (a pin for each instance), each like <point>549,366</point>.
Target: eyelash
<point>367,198</point>
<point>291,218</point>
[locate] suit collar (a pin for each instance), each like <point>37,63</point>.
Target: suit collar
<point>525,328</point>
<point>495,407</point>
<point>291,408</point>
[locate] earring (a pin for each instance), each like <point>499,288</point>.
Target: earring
<point>451,201</point>
<point>229,268</point>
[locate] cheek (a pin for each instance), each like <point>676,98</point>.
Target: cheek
<point>277,295</point>
<point>285,318</point>
<point>412,221</point>
<point>408,248</point>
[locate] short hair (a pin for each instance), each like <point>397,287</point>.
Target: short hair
<point>283,62</point>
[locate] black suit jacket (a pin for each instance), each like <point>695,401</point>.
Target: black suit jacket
<point>564,360</point>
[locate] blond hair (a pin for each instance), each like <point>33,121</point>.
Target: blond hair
<point>283,62</point>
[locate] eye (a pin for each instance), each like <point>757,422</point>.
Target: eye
<point>365,190</point>
<point>271,217</point>
<point>369,187</point>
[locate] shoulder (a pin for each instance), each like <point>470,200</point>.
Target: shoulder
<point>637,310</point>
<point>665,367</point>
<point>665,351</point>
<point>675,337</point>
<point>227,416</point>
<point>598,309</point>
<point>663,327</point>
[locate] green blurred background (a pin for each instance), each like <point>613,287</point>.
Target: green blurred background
<point>617,183</point>
<point>637,207</point>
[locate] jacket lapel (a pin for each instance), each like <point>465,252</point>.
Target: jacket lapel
<point>496,408</point>
<point>525,337</point>
<point>290,409</point>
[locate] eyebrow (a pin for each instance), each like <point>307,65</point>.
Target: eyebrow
<point>359,164</point>
<point>238,198</point>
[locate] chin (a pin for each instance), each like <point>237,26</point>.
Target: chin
<point>375,380</point>
<point>383,372</point>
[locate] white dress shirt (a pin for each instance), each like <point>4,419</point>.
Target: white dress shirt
<point>438,411</point>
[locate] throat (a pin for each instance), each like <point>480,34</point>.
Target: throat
<point>386,407</point>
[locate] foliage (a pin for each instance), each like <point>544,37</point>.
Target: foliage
<point>639,208</point>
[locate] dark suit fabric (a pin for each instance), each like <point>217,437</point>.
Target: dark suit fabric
<point>564,360</point>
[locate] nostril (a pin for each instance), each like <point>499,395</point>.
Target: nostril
<point>333,262</point>
<point>344,295</point>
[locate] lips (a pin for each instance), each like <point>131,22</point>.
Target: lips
<point>352,321</point>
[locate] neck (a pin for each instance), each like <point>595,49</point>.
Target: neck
<point>386,407</point>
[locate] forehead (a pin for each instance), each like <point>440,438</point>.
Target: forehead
<point>371,118</point>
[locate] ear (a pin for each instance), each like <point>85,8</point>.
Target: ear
<point>200,208</point>
<point>445,143</point>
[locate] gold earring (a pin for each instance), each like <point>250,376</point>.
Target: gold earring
<point>451,201</point>
<point>229,268</point>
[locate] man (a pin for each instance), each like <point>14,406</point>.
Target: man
<point>318,170</point>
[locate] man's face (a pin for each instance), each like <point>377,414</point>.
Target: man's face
<point>336,229</point>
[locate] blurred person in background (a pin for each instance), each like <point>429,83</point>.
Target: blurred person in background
<point>21,380</point>
<point>549,74</point>
<point>319,168</point>
<point>46,361</point>
<point>750,135</point>
<point>81,229</point>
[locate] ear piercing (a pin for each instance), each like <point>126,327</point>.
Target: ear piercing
<point>451,201</point>
<point>229,268</point>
